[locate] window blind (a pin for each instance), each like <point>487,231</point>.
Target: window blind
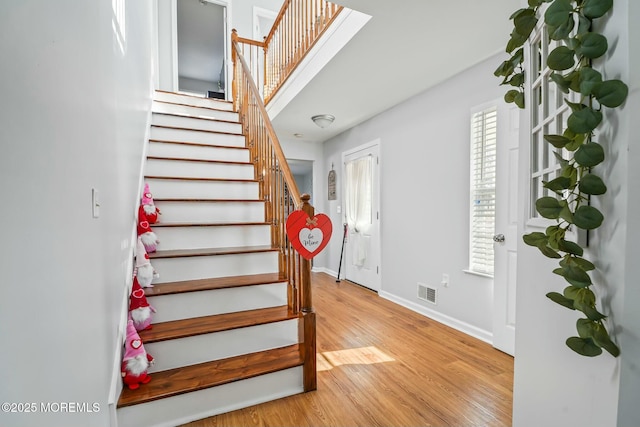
<point>483,190</point>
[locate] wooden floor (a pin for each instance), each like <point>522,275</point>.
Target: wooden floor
<point>380,364</point>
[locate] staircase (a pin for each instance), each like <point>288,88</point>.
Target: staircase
<point>224,336</point>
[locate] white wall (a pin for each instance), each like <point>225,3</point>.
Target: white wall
<point>425,195</point>
<point>554,386</point>
<point>75,113</point>
<point>242,19</point>
<point>198,86</point>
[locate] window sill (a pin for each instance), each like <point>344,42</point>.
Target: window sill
<point>476,273</point>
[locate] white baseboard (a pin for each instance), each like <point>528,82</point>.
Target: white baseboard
<point>459,325</point>
<point>324,270</point>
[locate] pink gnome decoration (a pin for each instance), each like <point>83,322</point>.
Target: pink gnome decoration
<point>146,234</point>
<point>149,207</point>
<point>144,271</point>
<point>139,309</point>
<point>136,361</point>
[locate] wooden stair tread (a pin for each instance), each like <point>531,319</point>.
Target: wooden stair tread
<point>198,106</point>
<point>191,116</point>
<point>207,224</point>
<point>210,374</point>
<point>226,162</point>
<point>183,253</point>
<point>215,323</point>
<point>197,130</point>
<point>165,141</point>
<point>186,95</point>
<point>214,283</point>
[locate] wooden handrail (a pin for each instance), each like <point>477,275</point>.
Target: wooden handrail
<point>280,193</point>
<point>298,26</point>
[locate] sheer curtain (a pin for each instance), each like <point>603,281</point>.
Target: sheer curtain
<point>358,205</point>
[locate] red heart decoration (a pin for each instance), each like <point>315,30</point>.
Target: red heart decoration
<point>136,344</point>
<point>138,293</point>
<point>307,235</point>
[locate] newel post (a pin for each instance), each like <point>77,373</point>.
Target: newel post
<point>308,315</point>
<point>234,83</point>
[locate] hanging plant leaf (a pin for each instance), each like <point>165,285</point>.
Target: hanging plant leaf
<point>515,41</point>
<point>525,22</point>
<point>549,252</point>
<point>549,207</point>
<point>601,338</point>
<point>561,32</point>
<point>589,78</point>
<point>587,218</point>
<point>586,328</point>
<point>596,8</point>
<point>584,346</point>
<point>592,313</point>
<point>584,25</point>
<point>561,58</point>
<point>584,120</point>
<point>535,239</point>
<point>589,155</point>
<point>557,141</point>
<point>558,12</point>
<point>570,247</point>
<point>586,265</point>
<point>592,45</point>
<point>560,299</point>
<point>517,79</point>
<point>592,184</point>
<point>555,234</point>
<point>577,139</point>
<point>575,293</point>
<point>558,184</point>
<point>505,69</point>
<point>510,96</point>
<point>574,275</point>
<point>611,93</point>
<point>562,83</point>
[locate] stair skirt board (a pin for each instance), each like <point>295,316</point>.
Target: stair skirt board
<point>202,267</point>
<point>203,189</point>
<point>170,108</point>
<point>173,353</point>
<point>196,136</point>
<point>217,301</point>
<point>196,405</point>
<point>210,212</point>
<point>162,119</point>
<point>200,237</point>
<point>197,101</point>
<point>191,169</point>
<point>200,152</point>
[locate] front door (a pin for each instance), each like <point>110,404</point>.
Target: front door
<point>506,237</point>
<point>362,215</point>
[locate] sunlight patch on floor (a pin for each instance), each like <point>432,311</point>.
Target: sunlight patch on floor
<point>354,356</point>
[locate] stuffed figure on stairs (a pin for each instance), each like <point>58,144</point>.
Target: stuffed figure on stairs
<point>149,238</point>
<point>139,308</point>
<point>149,207</point>
<point>144,271</point>
<point>136,361</point>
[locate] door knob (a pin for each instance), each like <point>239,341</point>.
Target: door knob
<point>498,238</point>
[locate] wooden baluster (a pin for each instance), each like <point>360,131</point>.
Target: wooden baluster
<point>307,300</point>
<point>309,372</point>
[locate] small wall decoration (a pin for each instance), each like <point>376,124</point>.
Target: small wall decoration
<point>332,184</point>
<point>308,236</point>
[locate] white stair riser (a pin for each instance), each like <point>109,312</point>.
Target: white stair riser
<point>218,301</point>
<point>209,212</point>
<point>164,107</point>
<point>193,100</point>
<point>186,169</point>
<point>187,351</point>
<point>199,237</point>
<point>196,136</point>
<point>202,267</point>
<point>200,404</point>
<point>175,188</point>
<point>199,152</point>
<point>194,123</point>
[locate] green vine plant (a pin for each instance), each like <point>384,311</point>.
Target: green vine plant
<point>571,23</point>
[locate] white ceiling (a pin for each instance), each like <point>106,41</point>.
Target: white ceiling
<point>407,47</point>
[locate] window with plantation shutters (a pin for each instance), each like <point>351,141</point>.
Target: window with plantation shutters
<point>483,190</point>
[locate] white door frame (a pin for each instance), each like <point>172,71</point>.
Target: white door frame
<point>227,44</point>
<point>376,214</point>
<point>259,12</point>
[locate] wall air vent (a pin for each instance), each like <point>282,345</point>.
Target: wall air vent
<point>427,293</point>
